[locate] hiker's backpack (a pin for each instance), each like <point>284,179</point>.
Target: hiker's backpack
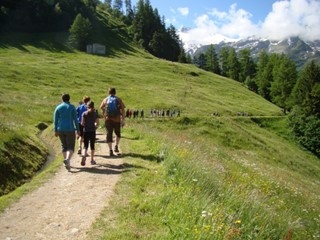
<point>112,106</point>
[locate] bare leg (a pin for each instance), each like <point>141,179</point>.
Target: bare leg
<point>84,154</point>
<point>117,140</point>
<point>80,141</point>
<point>110,145</point>
<point>92,155</point>
<point>69,155</point>
<point>64,155</point>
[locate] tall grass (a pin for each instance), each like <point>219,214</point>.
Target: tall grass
<point>206,190</point>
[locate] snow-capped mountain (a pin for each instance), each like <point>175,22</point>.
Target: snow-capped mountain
<point>298,50</point>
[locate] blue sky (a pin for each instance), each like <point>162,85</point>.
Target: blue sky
<point>213,21</point>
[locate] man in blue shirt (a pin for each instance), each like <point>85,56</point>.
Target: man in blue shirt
<point>65,126</point>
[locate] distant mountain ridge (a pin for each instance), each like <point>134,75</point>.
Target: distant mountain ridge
<point>298,50</point>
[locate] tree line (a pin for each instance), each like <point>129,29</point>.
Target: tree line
<point>143,22</point>
<point>273,76</point>
<point>276,78</point>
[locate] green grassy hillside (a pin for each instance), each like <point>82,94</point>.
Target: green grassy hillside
<point>34,75</point>
<point>196,176</point>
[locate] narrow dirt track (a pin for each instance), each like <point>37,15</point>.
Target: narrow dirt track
<point>67,204</point>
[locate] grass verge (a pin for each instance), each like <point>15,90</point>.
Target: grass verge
<point>180,186</point>
<point>41,176</point>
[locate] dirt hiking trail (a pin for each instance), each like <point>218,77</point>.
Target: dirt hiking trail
<point>67,204</point>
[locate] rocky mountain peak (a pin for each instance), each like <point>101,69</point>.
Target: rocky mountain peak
<point>297,49</point>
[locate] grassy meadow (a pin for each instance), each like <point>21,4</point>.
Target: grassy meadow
<point>196,176</point>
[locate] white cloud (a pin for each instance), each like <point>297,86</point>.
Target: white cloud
<point>287,18</point>
<point>295,17</point>
<point>206,32</point>
<point>183,11</point>
<point>217,26</point>
<point>238,24</point>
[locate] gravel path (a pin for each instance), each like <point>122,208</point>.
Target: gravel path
<point>66,205</point>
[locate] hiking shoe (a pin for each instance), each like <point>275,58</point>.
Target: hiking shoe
<point>83,161</point>
<point>79,151</point>
<point>67,164</point>
<point>111,153</point>
<point>93,162</point>
<point>116,149</point>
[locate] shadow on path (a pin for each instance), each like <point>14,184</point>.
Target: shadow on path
<point>95,170</point>
<point>104,168</point>
<point>148,157</point>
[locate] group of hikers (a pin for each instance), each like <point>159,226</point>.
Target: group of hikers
<point>153,113</point>
<point>164,113</point>
<point>71,123</point>
<point>134,113</point>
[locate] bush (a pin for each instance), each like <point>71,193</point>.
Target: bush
<point>306,130</point>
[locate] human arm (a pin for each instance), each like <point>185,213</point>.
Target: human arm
<point>103,107</point>
<point>55,121</point>
<point>96,124</point>
<point>83,120</point>
<point>75,120</point>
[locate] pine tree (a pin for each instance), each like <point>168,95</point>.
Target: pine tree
<point>182,58</point>
<point>157,44</point>
<point>129,12</point>
<point>118,6</point>
<point>233,65</point>
<point>306,92</point>
<point>212,61</point>
<point>80,32</point>
<point>247,65</point>
<point>146,22</point>
<point>173,45</point>
<point>201,61</point>
<point>128,7</point>
<point>224,65</point>
<point>284,78</point>
<point>264,75</point>
<point>108,3</point>
<point>304,120</point>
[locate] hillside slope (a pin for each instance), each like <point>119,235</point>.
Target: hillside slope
<point>227,166</point>
<point>35,74</point>
<point>241,149</point>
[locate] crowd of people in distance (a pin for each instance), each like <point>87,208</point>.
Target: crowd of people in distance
<point>164,113</point>
<point>135,113</point>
